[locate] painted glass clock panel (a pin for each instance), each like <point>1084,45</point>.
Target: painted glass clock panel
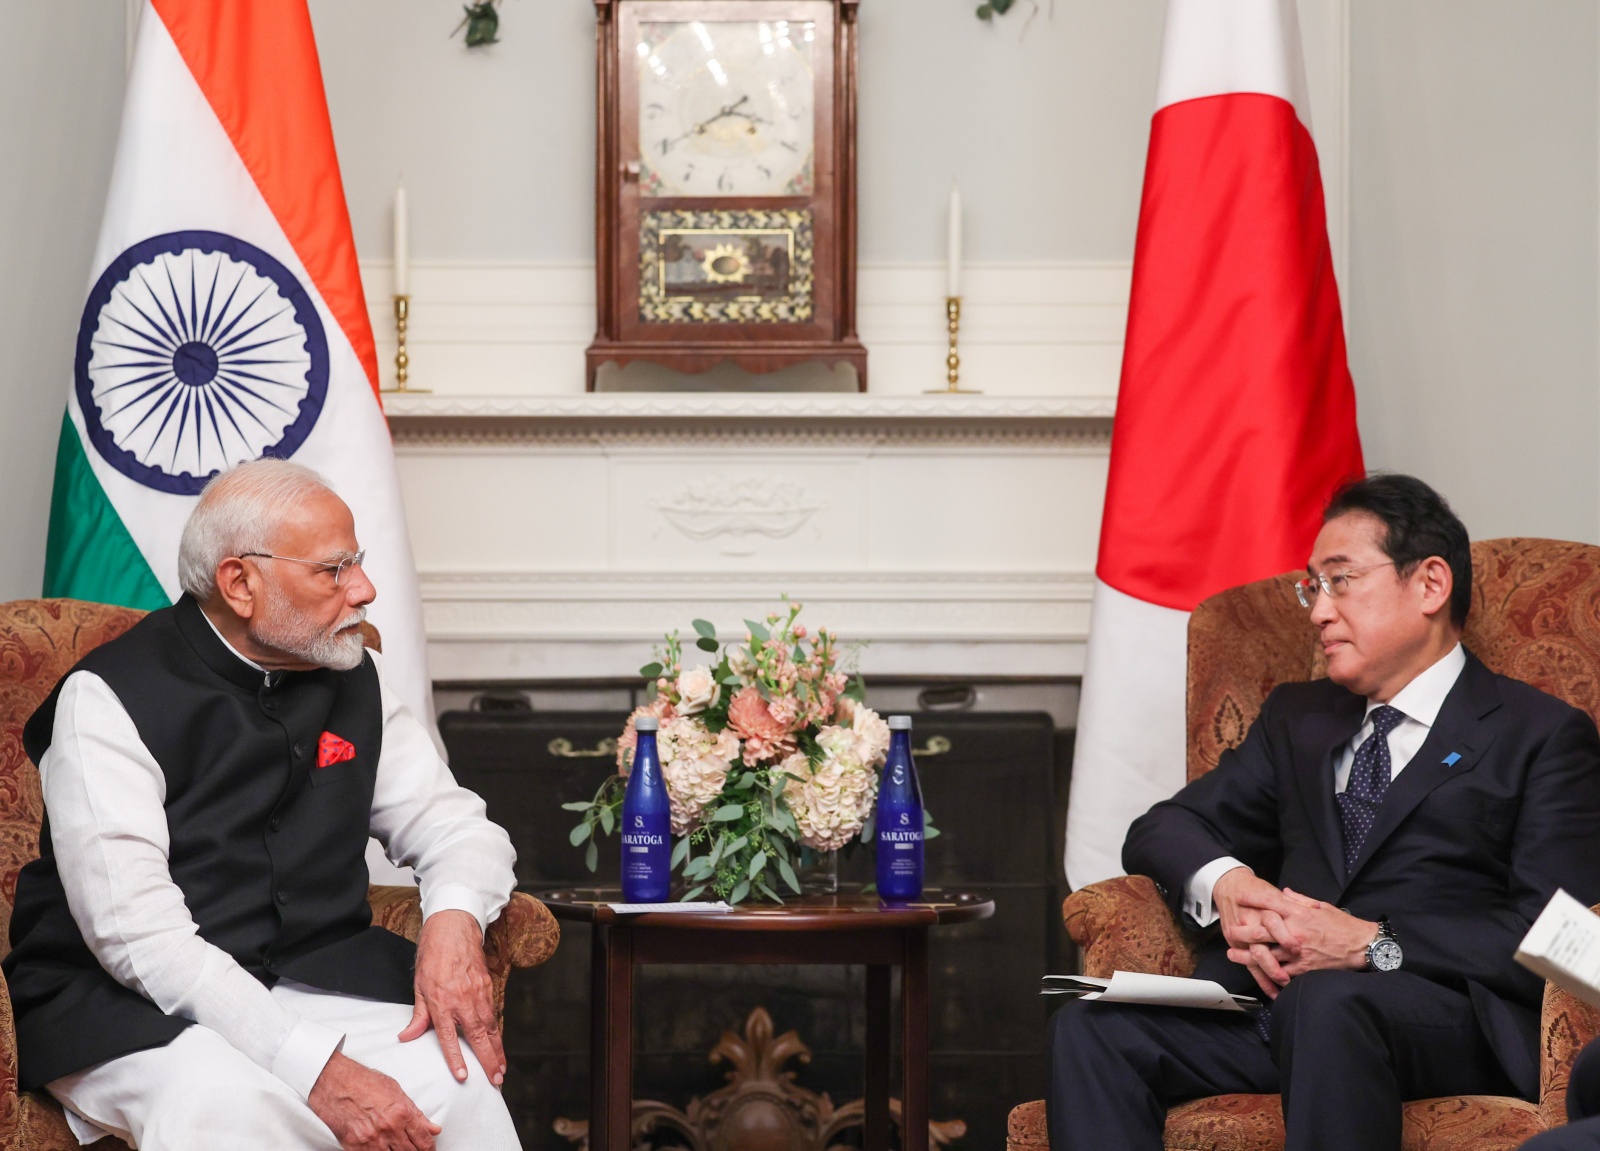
<point>727,108</point>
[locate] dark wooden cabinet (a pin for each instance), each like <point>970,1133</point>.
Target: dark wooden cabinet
<point>992,794</point>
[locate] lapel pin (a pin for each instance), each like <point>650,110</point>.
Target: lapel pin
<point>1452,759</point>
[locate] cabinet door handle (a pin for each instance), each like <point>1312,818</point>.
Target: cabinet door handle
<point>562,748</point>
<point>936,745</point>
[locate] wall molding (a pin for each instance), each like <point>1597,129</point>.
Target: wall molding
<point>556,625</point>
<point>519,329</point>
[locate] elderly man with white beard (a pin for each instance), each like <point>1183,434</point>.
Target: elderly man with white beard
<point>194,962</point>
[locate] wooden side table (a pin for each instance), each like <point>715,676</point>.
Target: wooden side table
<point>843,928</point>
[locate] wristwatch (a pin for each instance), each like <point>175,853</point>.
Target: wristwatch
<point>1383,953</point>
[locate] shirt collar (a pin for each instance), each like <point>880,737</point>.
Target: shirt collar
<point>1422,698</point>
<point>231,648</point>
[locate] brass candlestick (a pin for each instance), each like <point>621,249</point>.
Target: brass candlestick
<point>952,362</point>
<point>402,358</point>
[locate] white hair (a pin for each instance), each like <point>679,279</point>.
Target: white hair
<point>239,511</point>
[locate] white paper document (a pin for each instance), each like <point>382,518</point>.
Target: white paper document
<point>1149,990</point>
<point>699,908</point>
<point>1563,945</point>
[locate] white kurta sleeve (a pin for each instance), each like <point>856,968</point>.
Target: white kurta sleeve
<point>428,822</point>
<point>105,796</point>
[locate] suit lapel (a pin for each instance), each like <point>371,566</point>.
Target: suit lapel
<point>1317,740</point>
<point>1454,745</point>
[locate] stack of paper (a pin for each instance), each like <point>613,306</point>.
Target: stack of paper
<point>1563,945</point>
<point>1150,990</point>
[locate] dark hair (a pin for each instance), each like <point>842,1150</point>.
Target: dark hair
<point>1417,523</point>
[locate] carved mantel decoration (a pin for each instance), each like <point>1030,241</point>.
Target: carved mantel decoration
<point>761,1109</point>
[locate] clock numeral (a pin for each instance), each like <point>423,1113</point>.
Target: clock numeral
<point>789,146</point>
<point>766,172</point>
<point>724,182</point>
<point>688,173</point>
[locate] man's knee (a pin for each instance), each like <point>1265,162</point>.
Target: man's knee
<point>1582,1136</point>
<point>1324,1001</point>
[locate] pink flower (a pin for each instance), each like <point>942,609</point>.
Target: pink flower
<point>785,711</point>
<point>751,717</point>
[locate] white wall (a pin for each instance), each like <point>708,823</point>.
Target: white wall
<point>1045,129</point>
<point>61,70</point>
<point>1474,296</point>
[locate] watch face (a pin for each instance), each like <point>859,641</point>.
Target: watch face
<point>1385,955</point>
<point>726,108</point>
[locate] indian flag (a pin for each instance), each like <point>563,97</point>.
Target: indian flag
<point>225,319</point>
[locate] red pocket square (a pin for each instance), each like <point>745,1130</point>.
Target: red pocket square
<point>331,749</point>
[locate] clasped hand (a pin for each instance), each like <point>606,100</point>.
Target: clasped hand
<point>1281,934</point>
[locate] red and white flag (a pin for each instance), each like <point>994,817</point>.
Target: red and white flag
<point>225,319</point>
<point>1236,415</point>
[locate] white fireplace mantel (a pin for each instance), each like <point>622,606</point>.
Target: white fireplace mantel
<point>558,536</point>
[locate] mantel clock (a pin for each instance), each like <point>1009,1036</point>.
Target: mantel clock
<point>725,184</point>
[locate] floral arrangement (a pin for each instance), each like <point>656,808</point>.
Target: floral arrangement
<point>765,751</point>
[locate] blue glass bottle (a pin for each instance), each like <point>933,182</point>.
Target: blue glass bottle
<point>646,822</point>
<point>899,819</point>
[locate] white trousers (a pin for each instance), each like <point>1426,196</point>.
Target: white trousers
<point>199,1093</point>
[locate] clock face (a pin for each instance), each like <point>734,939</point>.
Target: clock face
<point>726,108</point>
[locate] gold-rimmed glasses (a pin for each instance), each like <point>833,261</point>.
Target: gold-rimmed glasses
<point>337,566</point>
<point>1334,583</point>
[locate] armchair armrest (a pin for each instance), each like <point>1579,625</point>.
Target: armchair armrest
<point>1567,1025</point>
<point>1123,924</point>
<point>525,935</point>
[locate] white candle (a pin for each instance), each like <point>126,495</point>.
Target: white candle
<point>953,248</point>
<point>402,243</point>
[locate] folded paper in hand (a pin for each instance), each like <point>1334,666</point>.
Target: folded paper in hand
<point>1149,990</point>
<point>1563,946</point>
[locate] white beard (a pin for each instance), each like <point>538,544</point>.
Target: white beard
<point>284,629</point>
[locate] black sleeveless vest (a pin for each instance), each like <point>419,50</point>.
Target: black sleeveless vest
<point>267,848</point>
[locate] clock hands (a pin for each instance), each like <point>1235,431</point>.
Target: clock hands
<point>727,112</point>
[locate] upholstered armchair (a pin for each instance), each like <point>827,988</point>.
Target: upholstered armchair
<point>1536,616</point>
<point>39,641</point>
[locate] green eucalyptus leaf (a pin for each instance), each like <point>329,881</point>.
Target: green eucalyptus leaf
<point>581,833</point>
<point>728,813</point>
<point>679,853</point>
<point>718,850</point>
<point>929,833</point>
<point>788,876</point>
<point>731,680</point>
<point>758,632</point>
<point>740,890</point>
<point>870,889</point>
<point>761,886</point>
<point>591,858</point>
<point>689,896</point>
<point>583,805</point>
<point>608,822</point>
<point>758,864</point>
<point>738,845</point>
<point>650,670</point>
<point>698,868</point>
<point>704,629</point>
<point>706,644</point>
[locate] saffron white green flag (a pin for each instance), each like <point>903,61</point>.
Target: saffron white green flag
<point>225,319</point>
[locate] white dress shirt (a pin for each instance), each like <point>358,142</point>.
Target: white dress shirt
<point>105,795</point>
<point>1420,701</point>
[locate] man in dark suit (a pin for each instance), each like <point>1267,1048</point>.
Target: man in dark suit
<point>1367,860</point>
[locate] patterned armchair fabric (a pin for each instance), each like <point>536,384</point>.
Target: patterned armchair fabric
<point>39,641</point>
<point>1535,616</point>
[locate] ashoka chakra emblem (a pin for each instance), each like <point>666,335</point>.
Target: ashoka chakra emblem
<point>198,351</point>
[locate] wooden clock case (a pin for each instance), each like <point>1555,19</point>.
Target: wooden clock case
<point>823,333</point>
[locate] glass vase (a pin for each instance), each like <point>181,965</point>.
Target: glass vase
<point>818,872</point>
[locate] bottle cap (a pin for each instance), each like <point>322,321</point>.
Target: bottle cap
<point>646,723</point>
<point>899,723</point>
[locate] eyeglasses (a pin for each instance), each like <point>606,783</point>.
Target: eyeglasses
<point>1334,583</point>
<point>337,567</point>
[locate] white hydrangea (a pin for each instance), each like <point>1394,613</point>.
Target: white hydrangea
<point>832,803</point>
<point>694,764</point>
